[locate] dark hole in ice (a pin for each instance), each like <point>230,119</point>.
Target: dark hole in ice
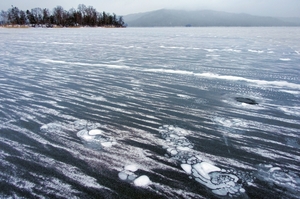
<point>246,100</point>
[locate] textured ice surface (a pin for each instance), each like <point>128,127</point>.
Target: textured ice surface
<point>50,92</point>
<point>220,181</point>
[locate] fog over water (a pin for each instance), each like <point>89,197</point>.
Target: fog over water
<point>274,8</point>
<point>150,113</point>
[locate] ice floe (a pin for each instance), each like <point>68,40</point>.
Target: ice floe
<point>221,182</point>
<point>127,174</point>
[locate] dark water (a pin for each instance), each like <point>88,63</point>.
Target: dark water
<point>84,113</point>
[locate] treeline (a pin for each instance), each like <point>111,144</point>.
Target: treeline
<point>83,16</point>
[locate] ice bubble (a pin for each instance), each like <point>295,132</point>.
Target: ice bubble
<point>95,132</point>
<point>205,168</point>
<point>142,181</point>
<point>187,168</point>
<point>242,190</point>
<point>123,176</point>
<point>131,167</point>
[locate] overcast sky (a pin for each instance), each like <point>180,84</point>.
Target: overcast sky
<point>278,8</point>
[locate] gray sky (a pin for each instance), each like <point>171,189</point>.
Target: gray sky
<point>278,8</point>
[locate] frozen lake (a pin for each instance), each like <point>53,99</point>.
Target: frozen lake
<point>150,113</point>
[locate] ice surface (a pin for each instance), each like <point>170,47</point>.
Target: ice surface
<point>142,181</point>
<point>73,86</point>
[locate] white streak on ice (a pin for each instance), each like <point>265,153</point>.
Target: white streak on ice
<point>182,72</point>
<point>285,59</point>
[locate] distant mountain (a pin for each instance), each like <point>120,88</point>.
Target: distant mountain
<point>169,18</point>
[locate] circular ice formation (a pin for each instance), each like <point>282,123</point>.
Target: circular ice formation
<point>142,181</point>
<point>96,136</point>
<point>246,100</point>
<point>220,181</point>
<point>123,175</point>
<point>131,167</point>
<point>127,175</point>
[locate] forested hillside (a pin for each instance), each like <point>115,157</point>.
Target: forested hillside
<point>58,16</point>
<point>173,18</point>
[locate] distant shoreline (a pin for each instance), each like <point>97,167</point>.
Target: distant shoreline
<point>54,26</point>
